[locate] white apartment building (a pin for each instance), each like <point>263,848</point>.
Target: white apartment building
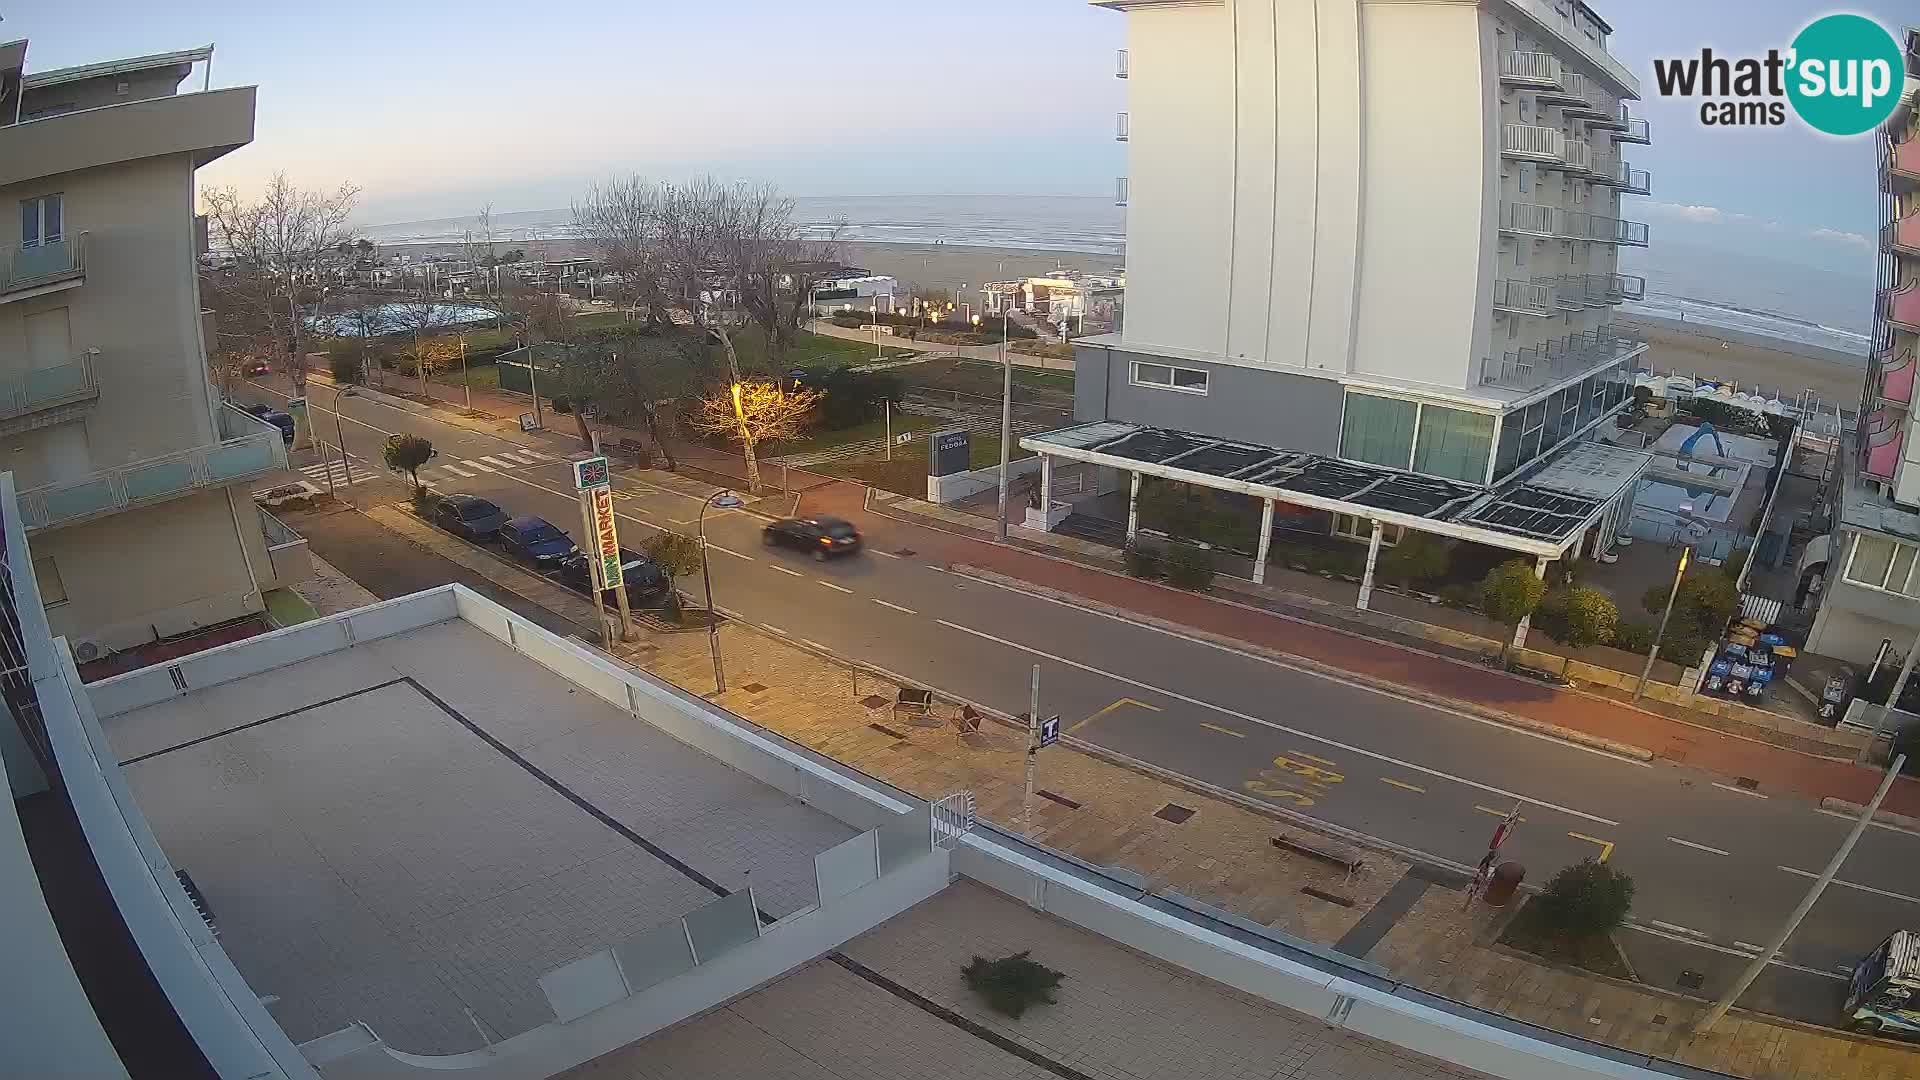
<point>131,471</point>
<point>1872,592</point>
<point>1375,235</point>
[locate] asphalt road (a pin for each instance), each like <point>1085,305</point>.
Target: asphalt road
<point>1717,868</point>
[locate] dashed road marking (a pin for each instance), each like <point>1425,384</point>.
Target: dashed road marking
<point>1494,812</point>
<point>812,644</point>
<point>1118,704</point>
<point>883,554</point>
<point>457,470</point>
<point>726,551</point>
<point>491,460</point>
<point>1223,731</point>
<point>1697,847</point>
<point>836,588</point>
<point>1676,928</point>
<point>784,570</point>
<point>1402,784</point>
<point>1738,790</point>
<point>896,607</point>
<point>476,465</point>
<point>1854,885</point>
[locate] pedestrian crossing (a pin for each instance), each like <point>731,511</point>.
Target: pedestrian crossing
<point>446,470</point>
<point>334,473</point>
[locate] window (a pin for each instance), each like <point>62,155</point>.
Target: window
<point>47,576</point>
<point>1168,377</point>
<point>1378,430</point>
<point>1526,177</point>
<point>1353,527</point>
<point>1453,443</point>
<point>1881,563</point>
<point>40,220</point>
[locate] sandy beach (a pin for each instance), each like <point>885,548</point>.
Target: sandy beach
<point>1754,368</point>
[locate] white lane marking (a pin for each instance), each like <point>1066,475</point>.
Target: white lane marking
<point>1748,945</point>
<point>491,460</point>
<point>1324,676</point>
<point>520,456</point>
<point>1856,817</point>
<point>784,570</point>
<point>1854,885</point>
<point>836,588</point>
<point>1362,751</point>
<point>883,554</point>
<point>812,644</point>
<point>477,465</point>
<point>452,468</point>
<point>896,607</point>
<point>1738,790</point>
<point>728,551</point>
<point>935,569</point>
<point>1697,847</point>
<point>783,633</point>
<point>533,455</point>
<point>1676,928</point>
<point>1728,950</point>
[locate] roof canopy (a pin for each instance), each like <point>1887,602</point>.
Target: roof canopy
<point>1544,512</point>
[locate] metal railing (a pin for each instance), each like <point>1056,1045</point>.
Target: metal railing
<point>1119,191</point>
<point>1524,297</point>
<point>1120,64</point>
<point>1535,366</point>
<point>1533,141</point>
<point>1608,230</point>
<point>1629,180</point>
<point>1531,69</point>
<point>276,531</point>
<point>1532,218</point>
<point>1571,90</point>
<point>1578,155</point>
<point>1120,127</point>
<point>250,447</point>
<point>43,388</point>
<point>1632,129</point>
<point>27,267</point>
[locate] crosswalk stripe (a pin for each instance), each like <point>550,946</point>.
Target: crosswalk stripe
<point>534,455</point>
<point>521,456</point>
<point>496,461</point>
<point>452,468</point>
<point>477,465</point>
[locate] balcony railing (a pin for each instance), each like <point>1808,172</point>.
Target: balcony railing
<point>1537,365</point>
<point>1572,90</point>
<point>23,268</point>
<point>1623,287</point>
<point>1531,69</point>
<point>1577,155</point>
<point>1569,23</point>
<point>1119,191</point>
<point>1120,64</point>
<point>1532,219</point>
<point>1903,235</point>
<point>1632,129</point>
<point>1523,298</point>
<point>46,388</point>
<point>1571,292</point>
<point>1896,376</point>
<point>1629,180</point>
<point>1533,143</point>
<point>1608,230</point>
<point>1904,161</point>
<point>249,448</point>
<point>1120,127</point>
<point>1903,307</point>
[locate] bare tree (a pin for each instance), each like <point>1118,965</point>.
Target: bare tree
<point>757,412</point>
<point>620,221</point>
<point>478,245</point>
<point>280,243</point>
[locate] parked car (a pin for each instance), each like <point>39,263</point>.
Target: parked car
<point>536,540</point>
<point>469,515</point>
<point>646,582</point>
<point>254,369</point>
<point>823,537</point>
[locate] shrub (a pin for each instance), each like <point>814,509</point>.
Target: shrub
<point>1460,596</point>
<point>560,404</point>
<point>1683,645</point>
<point>1588,617</point>
<point>1190,568</point>
<point>347,365</point>
<point>1143,562</point>
<point>1418,558</point>
<point>407,453</point>
<point>1586,900</point>
<point>1012,984</point>
<point>1706,600</point>
<point>1634,637</point>
<point>1509,593</point>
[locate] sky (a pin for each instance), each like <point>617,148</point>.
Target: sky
<point>433,108</point>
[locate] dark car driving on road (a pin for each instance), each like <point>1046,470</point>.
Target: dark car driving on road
<point>536,540</point>
<point>469,515</point>
<point>823,537</point>
<point>646,582</point>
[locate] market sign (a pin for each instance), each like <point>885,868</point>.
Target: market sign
<point>591,473</point>
<point>606,539</point>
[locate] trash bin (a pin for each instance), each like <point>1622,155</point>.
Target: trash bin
<point>1506,878</point>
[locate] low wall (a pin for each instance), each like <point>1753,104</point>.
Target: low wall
<point>956,486</point>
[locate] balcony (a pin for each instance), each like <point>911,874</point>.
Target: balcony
<point>1571,292</point>
<point>1531,70</point>
<point>1903,307</point>
<point>1119,191</point>
<point>1572,28</point>
<point>1572,90</point>
<point>249,448</point>
<point>1903,235</point>
<point>1120,64</point>
<point>43,396</point>
<point>1608,230</point>
<point>1539,365</point>
<point>43,268</point>
<point>1903,164</point>
<point>1632,129</point>
<point>1884,439</point>
<point>1120,127</point>
<point>1621,287</point>
<point>1524,298</point>
<point>1530,142</point>
<point>1896,376</point>
<point>1532,219</point>
<point>1576,155</point>
<point>1629,180</point>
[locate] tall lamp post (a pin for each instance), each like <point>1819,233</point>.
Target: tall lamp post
<point>725,500</point>
<point>339,435</point>
<point>1653,651</point>
<point>1006,426</point>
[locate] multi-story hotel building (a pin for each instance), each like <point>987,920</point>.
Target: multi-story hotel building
<point>131,471</point>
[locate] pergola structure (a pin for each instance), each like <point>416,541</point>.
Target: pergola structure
<point>1545,512</point>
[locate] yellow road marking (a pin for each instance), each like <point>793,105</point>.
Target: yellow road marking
<point>1110,708</point>
<point>1223,731</point>
<point>1606,846</point>
<point>1498,813</point>
<point>1312,774</point>
<point>1401,784</point>
<point>1262,787</point>
<point>1310,757</point>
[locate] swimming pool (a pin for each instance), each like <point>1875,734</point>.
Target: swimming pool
<point>1705,503</point>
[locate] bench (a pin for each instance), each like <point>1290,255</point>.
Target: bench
<point>1314,849</point>
<point>968,721</point>
<point>634,448</point>
<point>913,700</point>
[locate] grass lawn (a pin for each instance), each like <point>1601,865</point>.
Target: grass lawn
<point>906,474</point>
<point>872,429</point>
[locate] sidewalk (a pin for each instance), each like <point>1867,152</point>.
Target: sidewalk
<point>1390,913</point>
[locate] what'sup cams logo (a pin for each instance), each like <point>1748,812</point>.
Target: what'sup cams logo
<point>1842,75</point>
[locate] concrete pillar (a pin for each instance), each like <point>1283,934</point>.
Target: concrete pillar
<point>1133,508</point>
<point>1520,632</point>
<point>1046,487</point>
<point>1266,541</point>
<point>1373,560</point>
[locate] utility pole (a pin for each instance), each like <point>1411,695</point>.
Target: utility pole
<point>889,407</point>
<point>1653,651</point>
<point>1779,940</point>
<point>1033,751</point>
<point>1006,426</point>
<point>1893,699</point>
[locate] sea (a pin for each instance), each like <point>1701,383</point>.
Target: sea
<point>1792,303</point>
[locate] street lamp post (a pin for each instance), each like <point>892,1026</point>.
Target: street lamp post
<point>339,435</point>
<point>1006,426</point>
<point>725,500</point>
<point>1653,651</point>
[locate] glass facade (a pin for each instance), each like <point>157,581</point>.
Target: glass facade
<point>1453,443</point>
<point>1527,433</point>
<point>1378,430</point>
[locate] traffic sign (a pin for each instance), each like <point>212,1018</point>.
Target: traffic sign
<point>1049,731</point>
<point>903,439</point>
